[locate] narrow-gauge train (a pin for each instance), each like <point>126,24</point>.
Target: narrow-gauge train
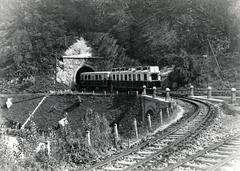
<point>121,78</point>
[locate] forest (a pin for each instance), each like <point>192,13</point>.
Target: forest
<point>189,34</point>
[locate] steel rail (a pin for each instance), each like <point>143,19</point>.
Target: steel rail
<point>208,150</point>
<point>222,162</point>
<point>191,134</point>
<point>151,141</point>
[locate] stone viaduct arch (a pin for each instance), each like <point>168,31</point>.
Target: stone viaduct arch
<point>152,106</point>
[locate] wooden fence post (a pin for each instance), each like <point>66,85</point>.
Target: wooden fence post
<point>191,90</point>
<point>209,95</point>
<point>149,123</point>
<point>135,127</point>
<point>167,94</point>
<point>88,137</point>
<point>144,90</point>
<point>233,95</point>
<point>116,133</point>
<point>154,92</point>
<point>168,114</point>
<point>160,116</point>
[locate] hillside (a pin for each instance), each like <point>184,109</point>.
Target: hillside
<point>225,74</point>
<point>35,34</point>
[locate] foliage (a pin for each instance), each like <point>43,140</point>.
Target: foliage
<point>69,148</point>
<point>36,32</point>
<point>79,47</point>
<point>107,47</point>
<point>185,72</point>
<point>99,130</point>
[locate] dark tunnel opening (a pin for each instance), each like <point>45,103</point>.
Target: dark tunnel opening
<point>81,70</point>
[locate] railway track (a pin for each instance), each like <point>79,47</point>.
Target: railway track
<point>212,158</point>
<point>143,155</point>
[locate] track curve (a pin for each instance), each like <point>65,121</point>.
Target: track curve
<point>141,156</point>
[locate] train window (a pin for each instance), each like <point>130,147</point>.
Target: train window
<point>145,77</point>
<point>89,77</point>
<point>117,77</point>
<point>113,77</point>
<point>139,68</point>
<point>125,77</point>
<point>121,77</point>
<point>154,76</point>
<point>145,68</point>
<point>130,77</point>
<point>134,77</point>
<point>139,77</point>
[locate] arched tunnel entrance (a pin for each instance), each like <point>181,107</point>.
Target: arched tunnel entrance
<point>81,70</point>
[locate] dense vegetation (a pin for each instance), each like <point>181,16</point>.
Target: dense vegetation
<point>198,37</point>
<point>36,32</point>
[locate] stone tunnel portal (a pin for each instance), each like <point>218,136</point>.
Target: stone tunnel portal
<point>81,70</point>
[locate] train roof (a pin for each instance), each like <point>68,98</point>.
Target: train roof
<point>97,72</point>
<point>138,68</point>
<point>127,69</point>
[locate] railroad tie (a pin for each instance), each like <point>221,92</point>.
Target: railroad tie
<point>234,143</point>
<point>224,153</point>
<point>145,152</point>
<point>153,148</point>
<point>128,163</point>
<point>227,148</point>
<point>112,169</point>
<point>159,145</point>
<point>193,166</point>
<point>218,155</point>
<point>136,157</point>
<point>206,161</point>
<point>174,136</point>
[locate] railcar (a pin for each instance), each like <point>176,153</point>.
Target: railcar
<point>122,78</point>
<point>92,80</point>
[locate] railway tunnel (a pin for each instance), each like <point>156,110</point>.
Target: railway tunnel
<point>85,68</point>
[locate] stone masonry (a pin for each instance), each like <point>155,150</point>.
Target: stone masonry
<point>67,73</point>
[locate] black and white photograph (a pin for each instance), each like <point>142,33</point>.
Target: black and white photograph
<point>119,85</point>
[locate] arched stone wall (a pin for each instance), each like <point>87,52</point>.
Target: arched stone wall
<point>152,105</point>
<point>69,69</point>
